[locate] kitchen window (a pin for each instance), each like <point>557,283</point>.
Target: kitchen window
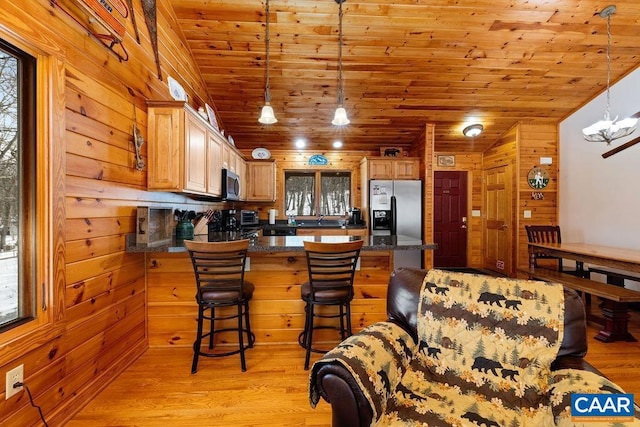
<point>313,193</point>
<point>17,186</point>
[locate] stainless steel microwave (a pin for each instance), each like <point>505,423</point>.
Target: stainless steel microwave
<point>230,185</point>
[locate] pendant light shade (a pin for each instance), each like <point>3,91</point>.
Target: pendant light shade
<point>607,130</point>
<point>340,118</point>
<point>267,116</point>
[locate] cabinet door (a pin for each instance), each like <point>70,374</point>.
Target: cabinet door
<point>241,170</point>
<point>195,168</point>
<point>406,169</point>
<point>214,168</point>
<point>380,169</point>
<point>226,153</point>
<point>261,181</point>
<point>165,155</point>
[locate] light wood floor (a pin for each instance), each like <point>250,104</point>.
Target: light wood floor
<point>158,389</point>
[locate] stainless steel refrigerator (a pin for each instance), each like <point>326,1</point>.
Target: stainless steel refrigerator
<point>396,210</point>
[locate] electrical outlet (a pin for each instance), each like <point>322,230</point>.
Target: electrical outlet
<point>16,375</point>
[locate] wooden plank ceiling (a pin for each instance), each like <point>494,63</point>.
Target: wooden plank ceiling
<point>405,63</point>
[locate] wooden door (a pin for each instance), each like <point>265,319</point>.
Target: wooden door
<point>498,196</point>
<point>450,218</point>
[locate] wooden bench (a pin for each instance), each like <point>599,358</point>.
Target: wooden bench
<point>616,278</point>
<point>615,316</point>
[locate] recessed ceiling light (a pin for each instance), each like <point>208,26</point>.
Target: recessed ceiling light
<point>300,143</point>
<point>337,144</point>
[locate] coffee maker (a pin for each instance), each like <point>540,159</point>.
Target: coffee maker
<point>230,220</point>
<point>355,216</point>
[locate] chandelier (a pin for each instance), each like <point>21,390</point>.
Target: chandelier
<point>267,116</point>
<point>340,118</point>
<point>607,130</point>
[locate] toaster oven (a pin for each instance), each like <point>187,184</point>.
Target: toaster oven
<point>248,217</point>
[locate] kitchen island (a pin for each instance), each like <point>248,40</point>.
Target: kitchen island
<point>292,243</point>
<point>277,267</point>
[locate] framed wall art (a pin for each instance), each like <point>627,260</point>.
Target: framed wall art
<point>446,161</point>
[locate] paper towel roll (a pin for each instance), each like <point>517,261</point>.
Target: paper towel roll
<point>272,216</point>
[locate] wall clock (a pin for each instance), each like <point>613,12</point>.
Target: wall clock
<point>538,178</point>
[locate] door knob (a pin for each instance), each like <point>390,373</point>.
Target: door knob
<point>502,227</point>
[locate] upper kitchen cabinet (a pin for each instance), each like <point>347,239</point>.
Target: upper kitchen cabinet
<point>392,168</point>
<point>261,180</point>
<point>214,155</point>
<point>185,152</point>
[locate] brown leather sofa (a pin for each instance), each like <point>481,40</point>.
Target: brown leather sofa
<point>349,406</point>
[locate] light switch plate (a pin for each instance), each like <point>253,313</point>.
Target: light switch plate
<point>527,214</point>
<point>546,160</point>
<point>475,212</point>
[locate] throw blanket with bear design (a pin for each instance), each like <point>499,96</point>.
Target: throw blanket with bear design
<point>483,358</point>
<point>484,353</point>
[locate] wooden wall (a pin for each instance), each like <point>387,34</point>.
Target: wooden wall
<point>103,324</point>
<point>423,148</point>
<point>536,140</point>
<point>294,160</point>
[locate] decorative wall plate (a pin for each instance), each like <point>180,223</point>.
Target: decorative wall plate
<point>231,141</point>
<point>177,91</point>
<point>538,178</point>
<point>318,160</point>
<point>212,116</point>
<point>261,153</point>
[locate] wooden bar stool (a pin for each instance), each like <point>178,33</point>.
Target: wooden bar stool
<point>219,270</point>
<point>331,269</point>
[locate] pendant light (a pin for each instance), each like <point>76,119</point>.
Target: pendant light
<point>340,118</point>
<point>607,130</point>
<point>267,116</point>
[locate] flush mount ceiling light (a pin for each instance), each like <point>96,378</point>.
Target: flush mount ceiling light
<point>337,144</point>
<point>473,130</point>
<point>267,116</point>
<point>340,118</point>
<point>607,130</point>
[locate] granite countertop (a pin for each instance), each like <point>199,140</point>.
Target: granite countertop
<point>291,243</point>
<point>311,224</point>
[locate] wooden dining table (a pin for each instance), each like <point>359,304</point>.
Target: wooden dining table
<point>606,256</point>
<point>614,307</point>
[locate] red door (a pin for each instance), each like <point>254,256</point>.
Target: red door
<point>449,216</point>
